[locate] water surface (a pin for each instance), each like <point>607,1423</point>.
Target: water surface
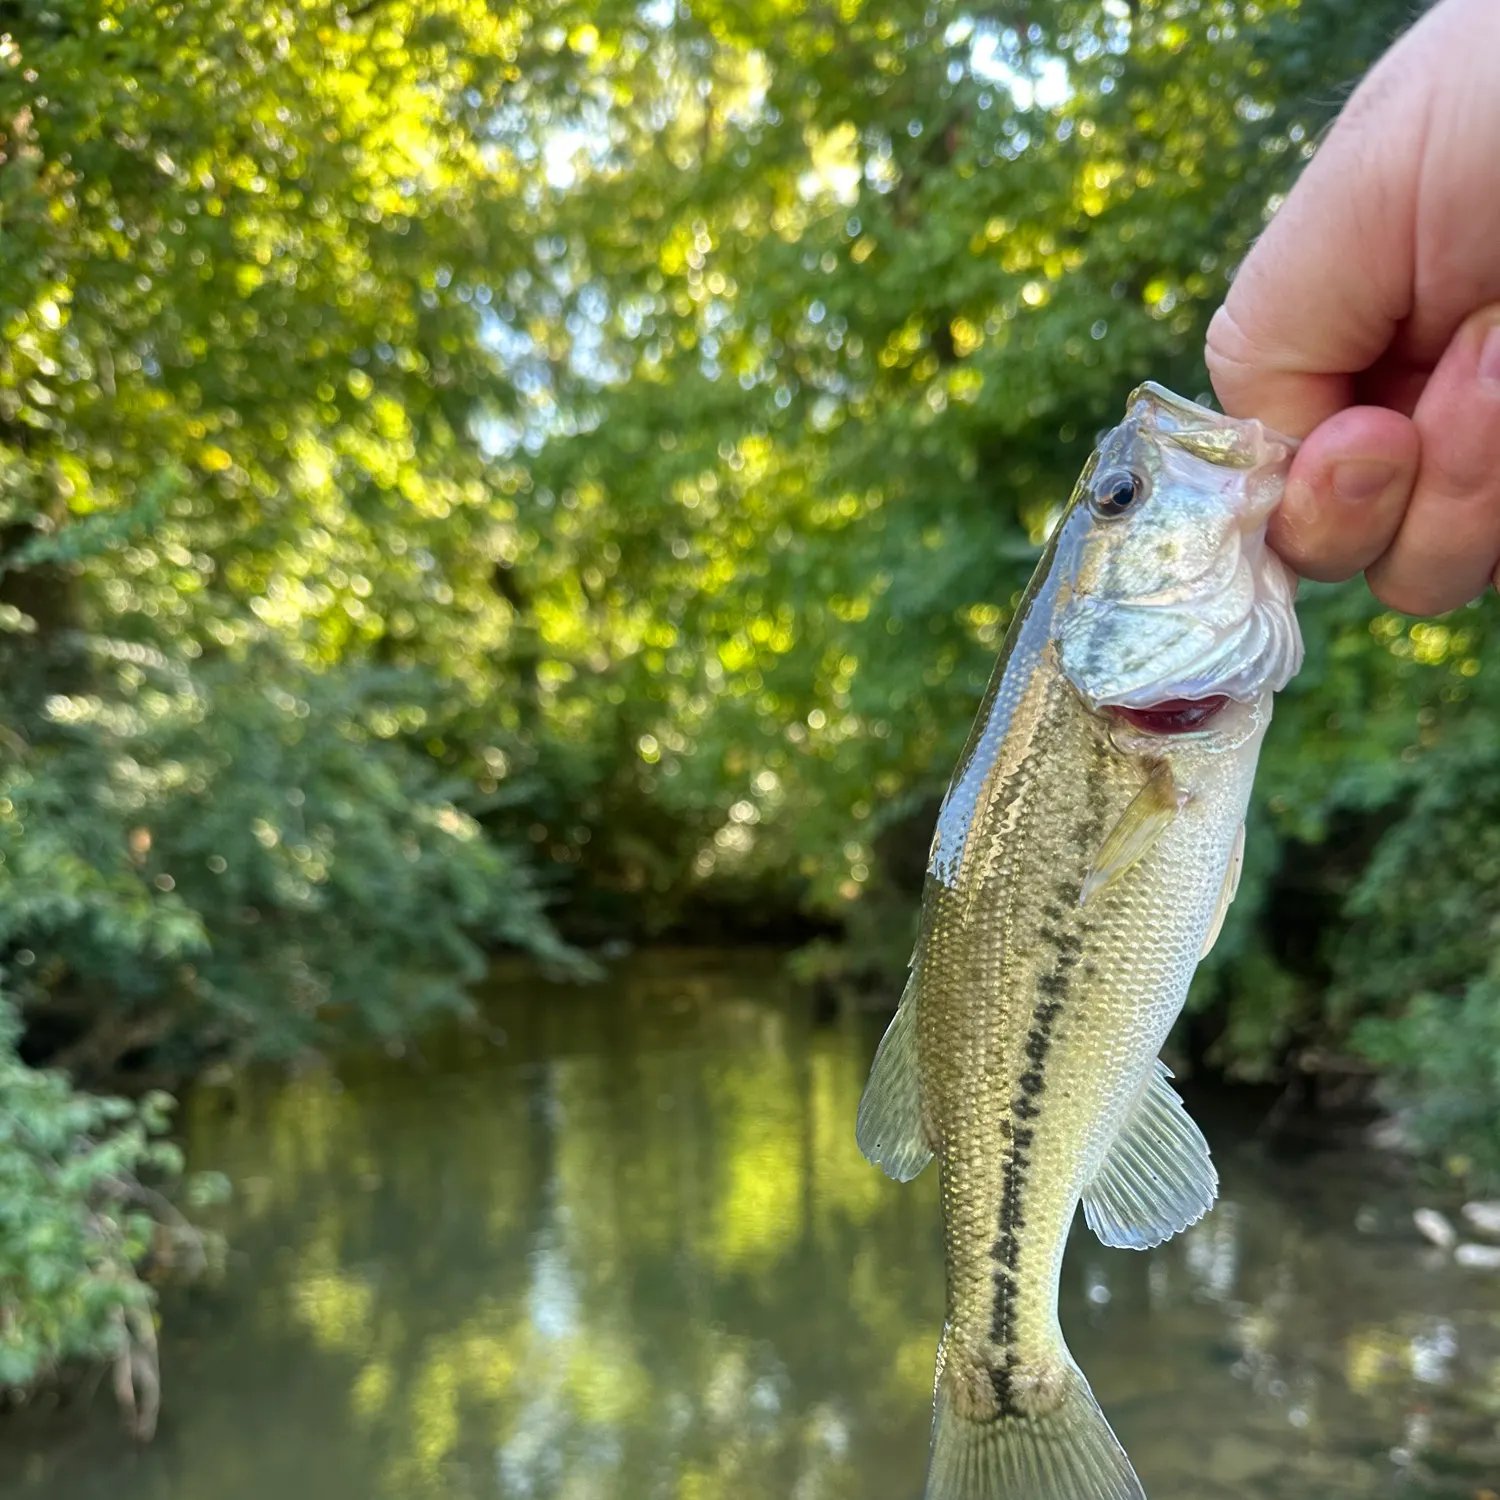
<point>619,1245</point>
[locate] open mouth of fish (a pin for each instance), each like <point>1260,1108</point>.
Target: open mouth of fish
<point>1172,715</point>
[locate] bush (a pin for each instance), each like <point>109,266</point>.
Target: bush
<point>1442,1056</point>
<point>242,856</point>
<point>76,1223</point>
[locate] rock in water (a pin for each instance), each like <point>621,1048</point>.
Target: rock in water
<point>1435,1228</point>
<point>1485,1217</point>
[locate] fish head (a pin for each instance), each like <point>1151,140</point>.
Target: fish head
<point>1174,605</point>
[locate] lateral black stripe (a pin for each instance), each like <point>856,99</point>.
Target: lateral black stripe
<point>1054,987</point>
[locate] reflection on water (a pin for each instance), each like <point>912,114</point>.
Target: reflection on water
<point>623,1247</point>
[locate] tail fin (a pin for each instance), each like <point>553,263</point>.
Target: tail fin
<point>1067,1454</point>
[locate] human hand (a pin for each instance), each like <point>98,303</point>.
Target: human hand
<point>1367,320</point>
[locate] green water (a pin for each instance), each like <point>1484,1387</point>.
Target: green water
<point>621,1246</point>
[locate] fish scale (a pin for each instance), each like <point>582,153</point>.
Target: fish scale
<point>1080,864</point>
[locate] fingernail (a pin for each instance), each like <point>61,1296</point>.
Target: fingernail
<point>1489,359</point>
<point>1362,478</point>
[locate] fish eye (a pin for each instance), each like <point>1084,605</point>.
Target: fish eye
<point>1113,494</point>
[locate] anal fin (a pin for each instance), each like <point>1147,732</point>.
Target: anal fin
<point>1158,1177</point>
<point>889,1129</point>
<point>1149,815</point>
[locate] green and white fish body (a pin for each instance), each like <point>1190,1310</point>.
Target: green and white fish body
<point>1084,857</point>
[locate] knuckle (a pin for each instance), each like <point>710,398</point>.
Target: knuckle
<point>1228,349</point>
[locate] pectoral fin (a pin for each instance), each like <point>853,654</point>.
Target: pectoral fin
<point>1149,815</point>
<point>1226,893</point>
<point>1158,1177</point>
<point>889,1129</point>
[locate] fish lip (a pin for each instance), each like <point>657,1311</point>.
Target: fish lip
<point>1242,443</point>
<point>1171,717</point>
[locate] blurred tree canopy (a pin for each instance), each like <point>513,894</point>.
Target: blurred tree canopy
<point>460,463</point>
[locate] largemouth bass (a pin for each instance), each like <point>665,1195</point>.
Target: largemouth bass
<point>1085,854</point>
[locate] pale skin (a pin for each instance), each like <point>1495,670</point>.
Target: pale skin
<point>1366,321</point>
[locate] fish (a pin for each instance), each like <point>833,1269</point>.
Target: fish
<point>1087,848</point>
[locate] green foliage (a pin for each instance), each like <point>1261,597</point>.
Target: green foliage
<point>247,539</point>
<point>1442,1053</point>
<point>74,1220</point>
<point>1372,901</point>
<point>1415,964</point>
<point>862,307</point>
<point>244,855</point>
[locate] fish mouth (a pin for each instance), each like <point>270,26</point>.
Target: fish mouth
<point>1172,715</point>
